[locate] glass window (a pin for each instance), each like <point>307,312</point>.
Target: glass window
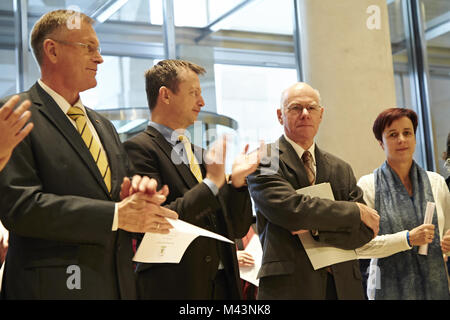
<point>248,57</point>
<point>253,100</point>
<point>120,84</point>
<point>268,16</point>
<point>134,11</point>
<point>7,73</point>
<point>401,67</point>
<point>437,33</point>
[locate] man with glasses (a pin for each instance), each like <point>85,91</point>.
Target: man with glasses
<point>282,213</point>
<point>69,233</point>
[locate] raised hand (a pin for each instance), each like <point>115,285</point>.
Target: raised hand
<point>245,164</point>
<point>215,162</point>
<point>12,130</point>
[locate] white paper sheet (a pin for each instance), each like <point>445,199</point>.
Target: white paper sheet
<point>250,274</point>
<point>169,248</point>
<point>428,219</point>
<point>320,254</point>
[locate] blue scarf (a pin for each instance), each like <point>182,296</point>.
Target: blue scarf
<point>408,275</point>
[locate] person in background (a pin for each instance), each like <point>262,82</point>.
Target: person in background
<point>292,163</point>
<point>399,190</point>
<point>245,259</point>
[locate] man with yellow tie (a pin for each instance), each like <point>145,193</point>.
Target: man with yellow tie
<point>199,192</point>
<point>68,217</point>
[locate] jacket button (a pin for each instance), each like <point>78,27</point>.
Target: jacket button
<point>208,259</point>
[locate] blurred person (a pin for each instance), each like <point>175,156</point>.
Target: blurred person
<point>199,191</point>
<point>286,271</point>
<point>246,260</point>
<point>399,190</point>
<point>69,229</point>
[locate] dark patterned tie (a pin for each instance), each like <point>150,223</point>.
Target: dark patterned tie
<point>309,166</point>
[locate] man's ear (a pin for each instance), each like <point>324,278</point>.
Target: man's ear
<point>164,95</point>
<point>280,116</point>
<point>50,50</point>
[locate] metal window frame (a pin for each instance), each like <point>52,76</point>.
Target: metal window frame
<point>156,42</point>
<point>419,80</point>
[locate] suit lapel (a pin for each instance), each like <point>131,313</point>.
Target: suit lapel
<point>183,170</point>
<point>291,159</point>
<point>47,106</point>
<point>322,166</point>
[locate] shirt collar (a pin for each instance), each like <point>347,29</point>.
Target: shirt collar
<point>299,150</point>
<point>60,101</point>
<point>168,133</point>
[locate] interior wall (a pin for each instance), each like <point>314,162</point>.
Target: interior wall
<point>349,60</point>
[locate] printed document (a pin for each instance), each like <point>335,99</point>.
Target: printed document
<point>428,219</point>
<point>169,248</point>
<point>321,254</point>
<point>250,273</point>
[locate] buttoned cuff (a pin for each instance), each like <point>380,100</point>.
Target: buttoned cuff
<point>115,224</point>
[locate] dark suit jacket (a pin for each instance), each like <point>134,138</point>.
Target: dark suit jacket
<point>229,214</point>
<point>286,272</point>
<point>60,213</point>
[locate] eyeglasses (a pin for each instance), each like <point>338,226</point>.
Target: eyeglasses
<point>91,49</point>
<point>298,109</point>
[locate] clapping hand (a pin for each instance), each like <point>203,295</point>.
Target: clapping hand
<point>12,130</point>
<point>140,209</point>
<point>245,164</point>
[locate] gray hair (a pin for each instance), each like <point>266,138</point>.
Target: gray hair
<point>51,23</point>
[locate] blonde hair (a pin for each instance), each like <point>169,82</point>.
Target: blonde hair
<point>51,23</point>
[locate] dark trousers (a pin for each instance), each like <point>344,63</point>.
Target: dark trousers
<point>220,288</point>
<point>331,288</point>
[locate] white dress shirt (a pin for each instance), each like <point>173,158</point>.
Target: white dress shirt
<point>65,106</point>
<point>299,150</point>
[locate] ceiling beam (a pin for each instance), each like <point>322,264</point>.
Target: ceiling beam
<point>105,11</point>
<point>438,26</point>
<point>207,30</point>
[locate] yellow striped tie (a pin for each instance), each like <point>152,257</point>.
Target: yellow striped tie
<point>193,164</point>
<point>77,114</point>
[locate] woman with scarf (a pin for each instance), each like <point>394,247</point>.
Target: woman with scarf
<point>399,190</point>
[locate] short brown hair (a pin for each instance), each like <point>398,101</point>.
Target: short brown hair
<point>388,116</point>
<point>166,73</point>
<point>52,22</point>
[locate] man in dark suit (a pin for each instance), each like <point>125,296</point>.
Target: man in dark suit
<point>67,236</point>
<point>286,272</point>
<point>199,192</point>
